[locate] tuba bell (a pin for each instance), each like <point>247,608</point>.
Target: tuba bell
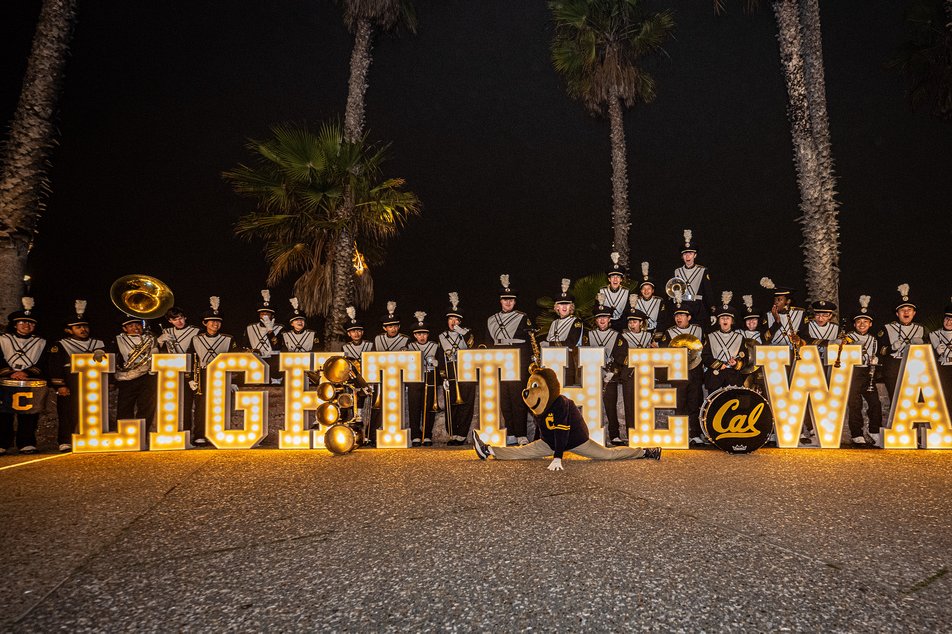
<point>676,286</point>
<point>143,297</point>
<point>693,345</point>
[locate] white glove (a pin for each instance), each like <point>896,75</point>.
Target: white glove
<point>556,465</point>
<point>446,384</point>
<point>162,339</point>
<point>234,388</point>
<point>607,376</point>
<point>193,385</point>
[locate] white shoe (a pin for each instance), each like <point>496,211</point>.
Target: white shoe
<point>2,451</point>
<point>28,449</point>
<point>415,442</point>
<point>510,440</point>
<point>522,440</point>
<point>65,447</point>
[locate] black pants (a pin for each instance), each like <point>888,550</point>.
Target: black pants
<point>26,430</point>
<point>462,413</point>
<point>514,409</point>
<point>690,394</point>
<point>628,398</point>
<point>136,399</point>
<point>610,401</point>
<point>198,419</point>
<point>420,404</point>
<point>854,403</point>
<point>67,416</point>
<point>891,375</point>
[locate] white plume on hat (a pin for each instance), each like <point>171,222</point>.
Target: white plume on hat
<point>864,301</point>
<point>565,284</point>
<point>688,234</point>
<point>615,256</point>
<point>748,301</point>
<point>600,298</point>
<point>504,280</point>
<point>678,297</point>
<point>454,299</point>
<point>420,316</point>
<point>214,301</point>
<point>266,295</point>
<point>391,307</point>
<point>767,283</point>
<point>726,297</point>
<point>632,300</point>
<point>80,307</point>
<point>294,303</point>
<point>351,312</point>
<point>644,270</point>
<point>27,304</point>
<point>904,291</point>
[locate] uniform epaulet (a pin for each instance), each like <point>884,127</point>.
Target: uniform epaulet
<point>578,323</point>
<point>54,349</point>
<point>881,333</point>
<point>620,342</point>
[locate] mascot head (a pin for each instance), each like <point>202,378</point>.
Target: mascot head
<point>543,388</point>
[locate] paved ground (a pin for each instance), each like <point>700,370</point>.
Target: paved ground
<point>433,539</point>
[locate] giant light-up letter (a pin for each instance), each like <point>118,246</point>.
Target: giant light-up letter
<point>170,401</point>
<point>253,403</point>
<point>588,395</point>
<point>491,366</point>
<point>396,368</point>
<point>93,396</point>
<point>648,398</point>
<point>918,399</point>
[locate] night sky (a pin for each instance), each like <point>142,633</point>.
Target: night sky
<point>160,98</point>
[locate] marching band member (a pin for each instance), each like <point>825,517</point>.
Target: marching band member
<point>690,392</point>
<point>566,330</point>
<point>207,345</point>
<point>509,328</point>
<point>722,348</point>
<point>390,340</point>
<point>298,338</point>
<point>62,380</point>
<point>421,397</point>
<point>650,304</point>
<point>177,339</point>
<point>616,294</point>
<point>698,292</point>
<point>753,328</point>
<point>862,387</point>
<point>783,321</point>
<point>459,396</point>
<point>355,347</point>
<point>896,337</point>
<point>23,359</point>
<point>821,331</point>
<point>135,381</point>
<point>261,337</point>
<point>615,369</point>
<point>941,341</point>
<point>636,336</point>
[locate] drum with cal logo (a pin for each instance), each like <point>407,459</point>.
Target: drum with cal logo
<point>737,419</point>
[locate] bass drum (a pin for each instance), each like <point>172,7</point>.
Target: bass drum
<point>22,397</point>
<point>737,419</point>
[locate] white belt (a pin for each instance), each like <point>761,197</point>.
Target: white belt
<point>502,341</point>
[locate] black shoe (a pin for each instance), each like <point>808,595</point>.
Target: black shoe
<point>482,449</point>
<point>427,442</point>
<point>619,442</point>
<point>652,453</point>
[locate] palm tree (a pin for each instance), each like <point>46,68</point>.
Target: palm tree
<point>925,58</point>
<point>23,179</point>
<point>361,17</point>
<point>585,290</point>
<point>600,47</point>
<point>299,179</point>
<point>801,57</point>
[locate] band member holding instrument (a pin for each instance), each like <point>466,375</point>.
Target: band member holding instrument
<point>422,401</point>
<point>23,359</point>
<point>753,323</point>
<point>616,293</point>
<point>177,339</point>
<point>896,337</point>
<point>459,396</point>
<point>863,385</point>
<point>698,292</point>
<point>689,393</point>
<point>62,380</point>
<point>135,381</point>
<point>509,328</point>
<point>261,337</point>
<point>298,338</point>
<point>821,331</point>
<point>566,330</point>
<point>356,346</point>
<point>636,336</point>
<point>941,341</point>
<point>783,321</point>
<point>616,364</point>
<point>390,340</point>
<point>207,345</point>
<point>650,304</point>
<point>722,349</point>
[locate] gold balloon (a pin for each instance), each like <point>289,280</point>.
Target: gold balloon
<point>336,369</point>
<point>326,391</point>
<point>328,413</point>
<point>340,439</point>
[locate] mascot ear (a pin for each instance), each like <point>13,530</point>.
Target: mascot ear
<point>551,382</point>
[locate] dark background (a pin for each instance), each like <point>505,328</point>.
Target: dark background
<point>160,98</point>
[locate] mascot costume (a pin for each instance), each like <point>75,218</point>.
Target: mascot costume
<point>561,429</point>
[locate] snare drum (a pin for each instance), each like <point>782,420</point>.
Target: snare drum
<point>22,397</point>
<point>737,419</point>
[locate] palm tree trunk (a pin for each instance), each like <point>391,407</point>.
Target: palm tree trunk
<point>820,129</point>
<point>816,250</point>
<point>23,180</point>
<point>344,290</point>
<point>620,215</point>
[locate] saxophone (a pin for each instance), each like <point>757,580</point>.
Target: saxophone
<point>536,362</point>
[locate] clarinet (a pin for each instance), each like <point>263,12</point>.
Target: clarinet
<point>872,374</point>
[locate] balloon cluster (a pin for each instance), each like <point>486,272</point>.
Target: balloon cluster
<point>340,384</point>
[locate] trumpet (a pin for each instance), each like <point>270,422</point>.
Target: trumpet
<point>844,340</point>
<point>197,375</point>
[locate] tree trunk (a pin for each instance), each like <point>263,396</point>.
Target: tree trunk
<point>360,59</point>
<point>816,250</point>
<point>23,180</point>
<point>820,129</point>
<point>343,285</point>
<point>620,216</point>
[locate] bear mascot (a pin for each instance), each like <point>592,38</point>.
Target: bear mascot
<point>561,428</point>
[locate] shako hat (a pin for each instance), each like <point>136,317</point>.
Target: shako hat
<point>25,314</point>
<point>214,312</point>
<point>454,310</point>
<point>506,291</point>
<point>749,311</point>
<point>79,318</point>
<point>265,305</point>
<point>352,322</point>
<point>564,296</point>
<point>690,245</point>
<point>823,306</point>
<point>635,313</point>
<point>601,310</point>
<point>390,318</point>
<point>420,325</point>
<point>904,294</point>
<point>778,291</point>
<point>863,312</point>
<point>295,310</point>
<point>645,278</point>
<point>616,268</point>
<point>725,309</point>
